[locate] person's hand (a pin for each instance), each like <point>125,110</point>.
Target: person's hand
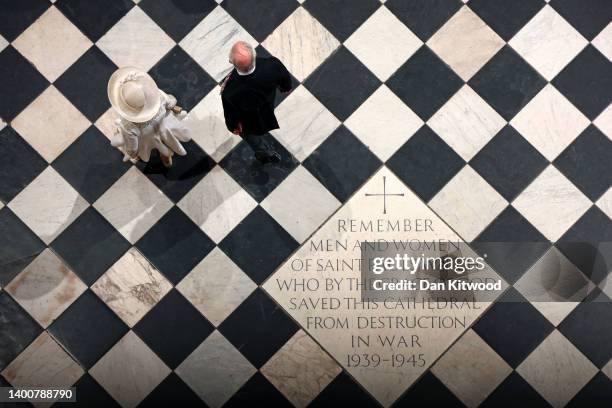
<point>238,130</point>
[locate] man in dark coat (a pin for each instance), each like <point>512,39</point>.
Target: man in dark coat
<point>248,95</point>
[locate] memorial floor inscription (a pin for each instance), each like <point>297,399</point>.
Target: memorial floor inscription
<point>387,343</point>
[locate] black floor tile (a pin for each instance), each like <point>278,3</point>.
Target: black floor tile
<point>514,392</point>
<point>177,17</point>
<point>506,18</point>
<point>94,18</point>
<point>428,391</point>
<point>342,163</point>
<point>501,324</point>
<point>342,17</point>
<point>262,17</point>
<point>90,245</point>
<point>172,392</point>
<point>91,165</point>
<point>258,245</point>
<point>587,82</point>
<point>179,75</point>
<point>424,83</point>
<point>511,244</point>
<point>258,392</point>
<point>587,162</point>
<point>185,173</point>
<point>342,83</point>
<point>18,246</point>
<point>509,163</point>
<point>596,394</point>
<point>258,179</point>
<point>19,166</point>
<point>16,16</point>
<point>18,329</point>
<point>258,328</point>
<point>589,328</point>
<point>88,329</point>
<point>343,391</point>
<point>425,163</point>
<point>173,328</point>
<point>89,394</point>
<point>84,83</point>
<point>175,245</point>
<point>589,17</point>
<point>20,83</point>
<point>507,82</point>
<point>424,17</point>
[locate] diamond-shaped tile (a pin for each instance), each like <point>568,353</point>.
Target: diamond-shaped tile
<point>258,391</point>
<point>304,123</point>
<point>43,364</point>
<point>262,19</point>
<point>596,392</point>
<point>210,41</point>
<point>50,123</point>
<point>106,123</point>
<point>343,390</point>
<point>216,286</point>
<point>383,123</point>
<point>21,326</point>
<point>131,287</point>
<point>46,287</point>
<point>177,18</point>
<point>301,54</point>
<point>215,370</point>
<point>429,390</point>
<point>604,122</point>
<point>48,217</point>
<point>383,51</point>
<point>608,369</point>
<point>341,17</point>
<point>505,17</point>
<point>13,20</point>
<point>471,369</point>
<point>603,41</point>
<point>588,16</point>
<point>605,203</point>
<point>548,42</point>
<point>423,17</point>
<point>52,43</point>
<point>144,48</point>
<point>133,204</point>
<point>129,371</point>
<point>512,390</point>
<point>551,203</point>
<point>94,18</point>
<point>300,369</point>
<point>465,43</point>
<point>556,369</point>
<point>300,204</point>
<point>217,204</point>
<point>468,203</point>
<point>172,391</point>
<point>550,122</point>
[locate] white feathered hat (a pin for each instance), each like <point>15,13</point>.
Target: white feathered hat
<point>133,94</point>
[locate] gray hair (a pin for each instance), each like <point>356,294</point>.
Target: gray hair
<point>248,48</point>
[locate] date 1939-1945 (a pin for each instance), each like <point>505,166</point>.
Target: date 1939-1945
<point>374,360</point>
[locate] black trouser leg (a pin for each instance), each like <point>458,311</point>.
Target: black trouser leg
<point>260,146</point>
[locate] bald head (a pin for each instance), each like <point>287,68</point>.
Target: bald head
<point>242,56</point>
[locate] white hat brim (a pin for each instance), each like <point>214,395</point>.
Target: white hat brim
<point>152,95</point>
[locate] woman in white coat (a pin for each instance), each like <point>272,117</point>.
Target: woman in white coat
<point>149,118</point>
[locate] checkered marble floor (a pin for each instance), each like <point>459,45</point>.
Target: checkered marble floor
<point>141,285</point>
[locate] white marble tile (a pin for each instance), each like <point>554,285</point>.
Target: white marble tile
<point>106,123</point>
<point>304,123</point>
<point>43,364</point>
<point>466,122</point>
<point>300,204</point>
<point>131,287</point>
<point>383,51</point>
<point>605,202</point>
<point>300,369</point>
<point>48,205</point>
<point>555,311</point>
<point>216,286</point>
<point>133,204</point>
<point>556,369</point>
<point>50,123</point>
<point>465,43</point>
<point>550,122</point>
<point>215,370</point>
<point>129,371</point>
<point>471,369</point>
<point>209,43</point>
<point>607,370</point>
<point>207,124</point>
<point>603,41</point>
<point>604,121</point>
<point>301,42</point>
<point>468,203</point>
<point>135,40</point>
<point>52,43</point>
<point>217,204</point>
<point>383,123</point>
<point>3,43</point>
<point>548,42</point>
<point>552,203</point>
<point>45,288</point>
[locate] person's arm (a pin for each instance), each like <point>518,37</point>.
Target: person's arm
<point>284,77</point>
<point>232,117</point>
